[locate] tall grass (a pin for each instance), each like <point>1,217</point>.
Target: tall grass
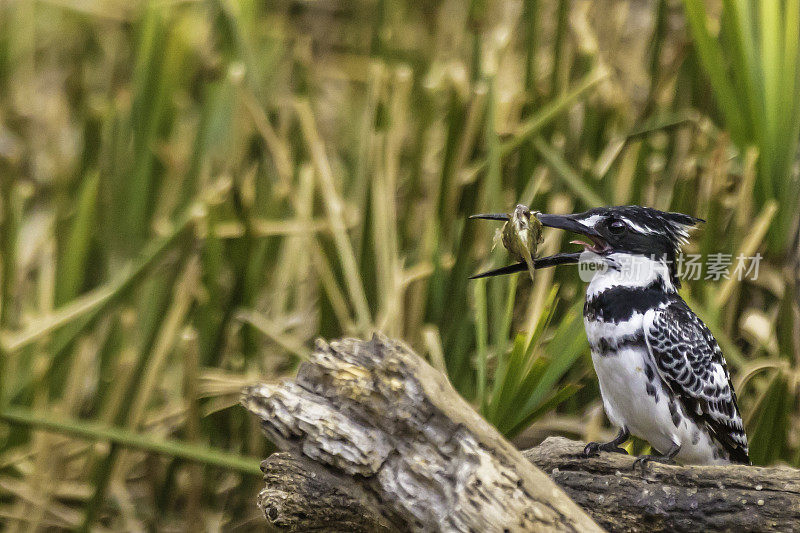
<point>753,66</point>
<point>192,192</point>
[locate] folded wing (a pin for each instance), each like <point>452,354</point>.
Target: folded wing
<point>690,362</point>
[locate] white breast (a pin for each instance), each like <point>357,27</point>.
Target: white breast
<point>629,401</point>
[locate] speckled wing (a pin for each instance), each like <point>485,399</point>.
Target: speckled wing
<point>690,362</point>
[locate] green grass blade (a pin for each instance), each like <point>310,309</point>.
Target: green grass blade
<point>129,439</point>
<point>769,427</point>
<point>567,174</point>
<point>482,341</point>
<point>556,399</point>
<point>72,269</point>
<point>542,118</point>
<point>711,56</point>
<point>567,345</point>
<point>99,299</point>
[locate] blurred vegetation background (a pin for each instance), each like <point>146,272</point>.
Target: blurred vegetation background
<point>193,191</point>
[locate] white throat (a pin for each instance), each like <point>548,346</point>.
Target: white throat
<point>628,270</point>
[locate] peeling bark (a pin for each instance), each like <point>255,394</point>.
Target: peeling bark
<point>376,414</point>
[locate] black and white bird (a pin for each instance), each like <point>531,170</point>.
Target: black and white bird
<point>661,372</point>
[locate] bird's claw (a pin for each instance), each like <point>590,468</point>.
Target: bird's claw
<point>591,449</point>
<point>594,448</point>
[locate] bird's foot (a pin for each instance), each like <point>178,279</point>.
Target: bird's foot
<point>594,448</point>
<point>643,461</point>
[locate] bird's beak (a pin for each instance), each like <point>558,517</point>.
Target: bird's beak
<point>565,222</point>
<point>542,262</point>
<point>492,216</point>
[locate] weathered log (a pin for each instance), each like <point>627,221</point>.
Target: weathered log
<point>379,441</point>
<point>393,436</point>
<point>672,498</point>
<point>663,499</point>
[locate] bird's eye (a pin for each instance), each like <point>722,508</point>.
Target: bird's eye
<point>616,226</point>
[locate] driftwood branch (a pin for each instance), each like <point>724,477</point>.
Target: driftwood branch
<point>391,433</point>
<point>378,441</point>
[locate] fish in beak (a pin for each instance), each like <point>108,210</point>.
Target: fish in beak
<point>565,222</point>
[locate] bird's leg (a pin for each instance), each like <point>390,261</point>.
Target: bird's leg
<point>593,448</point>
<point>667,458</point>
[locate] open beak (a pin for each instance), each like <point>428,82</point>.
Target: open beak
<point>565,222</point>
<point>573,223</point>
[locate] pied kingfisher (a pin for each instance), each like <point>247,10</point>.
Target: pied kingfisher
<point>661,372</point>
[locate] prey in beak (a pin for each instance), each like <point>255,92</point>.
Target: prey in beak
<point>522,235</point>
<point>518,240</point>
